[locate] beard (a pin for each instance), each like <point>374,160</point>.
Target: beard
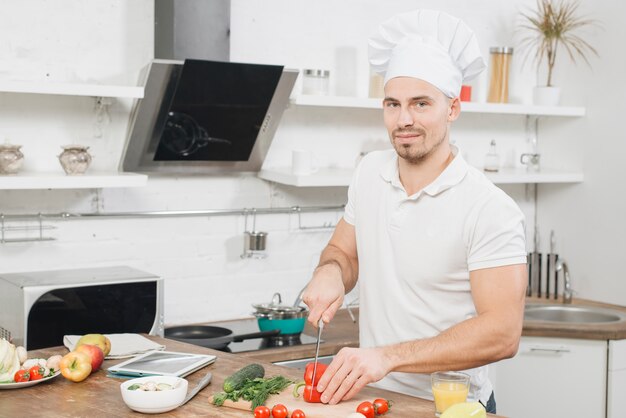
<point>416,152</point>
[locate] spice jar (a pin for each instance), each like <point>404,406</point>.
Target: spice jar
<point>499,82</point>
<point>75,159</point>
<point>315,82</point>
<point>11,159</point>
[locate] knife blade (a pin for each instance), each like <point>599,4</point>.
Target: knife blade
<point>320,327</point>
<point>201,384</point>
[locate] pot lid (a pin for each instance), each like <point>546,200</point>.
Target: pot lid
<point>276,306</point>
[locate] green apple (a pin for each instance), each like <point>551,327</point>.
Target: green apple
<point>75,366</point>
<point>95,354</point>
<point>95,339</point>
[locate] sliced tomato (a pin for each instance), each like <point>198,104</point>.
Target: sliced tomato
<point>280,411</point>
<point>381,406</point>
<point>366,408</point>
<point>261,412</point>
<point>21,376</point>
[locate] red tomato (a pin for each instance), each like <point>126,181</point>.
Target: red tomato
<point>261,412</point>
<point>366,408</point>
<point>279,411</point>
<point>381,406</point>
<point>36,373</point>
<point>21,376</point>
<point>298,413</point>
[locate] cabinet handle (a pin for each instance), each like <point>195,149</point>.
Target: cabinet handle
<point>549,349</point>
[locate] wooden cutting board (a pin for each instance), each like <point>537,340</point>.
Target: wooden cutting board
<point>312,410</point>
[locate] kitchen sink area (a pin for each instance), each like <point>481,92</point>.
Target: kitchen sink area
<point>572,314</point>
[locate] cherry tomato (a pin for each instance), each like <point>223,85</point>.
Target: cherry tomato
<point>21,376</point>
<point>36,372</point>
<point>381,406</point>
<point>279,411</point>
<point>261,412</point>
<point>298,413</point>
<point>366,408</point>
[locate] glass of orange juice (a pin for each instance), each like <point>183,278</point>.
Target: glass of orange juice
<point>449,388</point>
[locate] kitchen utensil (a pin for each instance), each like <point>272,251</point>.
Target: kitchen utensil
<point>320,327</point>
<point>534,269</point>
<point>211,337</point>
<point>254,242</point>
<point>274,315</point>
<point>201,385</point>
<point>552,261</point>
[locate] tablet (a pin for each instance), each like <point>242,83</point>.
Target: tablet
<point>162,363</point>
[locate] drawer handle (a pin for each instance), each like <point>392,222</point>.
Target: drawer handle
<point>550,349</point>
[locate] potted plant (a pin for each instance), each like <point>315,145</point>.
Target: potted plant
<point>554,24</point>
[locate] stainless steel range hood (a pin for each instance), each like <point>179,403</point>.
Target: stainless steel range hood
<point>206,117</point>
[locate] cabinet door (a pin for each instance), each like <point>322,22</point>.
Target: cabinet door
<point>616,401</point>
<point>553,377</point>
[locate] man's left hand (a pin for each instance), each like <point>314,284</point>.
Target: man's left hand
<point>350,371</point>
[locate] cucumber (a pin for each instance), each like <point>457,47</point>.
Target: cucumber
<point>237,379</point>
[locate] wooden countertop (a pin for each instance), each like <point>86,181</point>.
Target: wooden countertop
<point>99,395</point>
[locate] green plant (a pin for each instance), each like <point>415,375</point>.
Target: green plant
<point>553,24</point>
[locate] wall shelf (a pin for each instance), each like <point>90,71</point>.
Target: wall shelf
<point>328,177</point>
<point>467,107</point>
<point>55,180</point>
<point>71,89</point>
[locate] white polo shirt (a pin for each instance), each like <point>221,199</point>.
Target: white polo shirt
<point>416,252</point>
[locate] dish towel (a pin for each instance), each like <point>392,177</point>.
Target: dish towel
<point>122,345</point>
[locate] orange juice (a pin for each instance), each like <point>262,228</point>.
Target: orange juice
<point>447,394</point>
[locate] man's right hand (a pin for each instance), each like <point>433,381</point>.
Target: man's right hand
<point>324,294</point>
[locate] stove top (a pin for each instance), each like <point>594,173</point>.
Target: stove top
<point>248,326</point>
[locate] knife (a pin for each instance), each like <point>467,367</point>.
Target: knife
<point>320,327</point>
<point>201,385</point>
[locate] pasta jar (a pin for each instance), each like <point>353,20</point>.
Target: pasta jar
<point>499,82</point>
<point>315,82</point>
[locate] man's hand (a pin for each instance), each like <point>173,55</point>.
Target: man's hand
<point>350,371</point>
<point>324,294</point>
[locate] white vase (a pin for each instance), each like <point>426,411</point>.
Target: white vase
<point>546,96</point>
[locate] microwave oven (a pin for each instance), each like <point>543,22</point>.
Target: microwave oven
<point>38,308</point>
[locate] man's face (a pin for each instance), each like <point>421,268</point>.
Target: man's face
<point>417,116</point>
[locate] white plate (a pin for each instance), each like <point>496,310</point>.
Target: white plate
<point>27,384</point>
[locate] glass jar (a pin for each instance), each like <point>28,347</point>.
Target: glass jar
<point>75,159</point>
<point>11,159</point>
<point>492,159</point>
<point>499,81</point>
<point>315,82</point>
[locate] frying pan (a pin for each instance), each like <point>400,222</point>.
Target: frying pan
<point>217,338</point>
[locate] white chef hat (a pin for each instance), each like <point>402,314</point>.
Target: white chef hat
<point>427,44</point>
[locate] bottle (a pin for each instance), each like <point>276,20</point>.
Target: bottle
<point>315,82</point>
<point>492,159</point>
<point>499,81</point>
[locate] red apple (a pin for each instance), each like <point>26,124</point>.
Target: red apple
<point>95,354</point>
<point>75,366</point>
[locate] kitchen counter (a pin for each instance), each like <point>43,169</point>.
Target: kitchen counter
<point>99,396</point>
<point>342,332</point>
<point>595,331</point>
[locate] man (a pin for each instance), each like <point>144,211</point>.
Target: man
<point>438,250</point>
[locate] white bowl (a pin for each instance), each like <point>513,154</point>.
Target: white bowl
<point>154,402</point>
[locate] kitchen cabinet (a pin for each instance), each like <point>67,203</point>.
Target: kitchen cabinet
<point>329,177</point>
<point>615,400</point>
<point>58,180</point>
<point>554,377</point>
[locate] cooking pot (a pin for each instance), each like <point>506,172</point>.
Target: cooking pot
<point>275,315</point>
<point>212,337</point>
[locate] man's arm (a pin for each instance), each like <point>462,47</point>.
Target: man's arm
<point>492,335</point>
<point>335,275</point>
